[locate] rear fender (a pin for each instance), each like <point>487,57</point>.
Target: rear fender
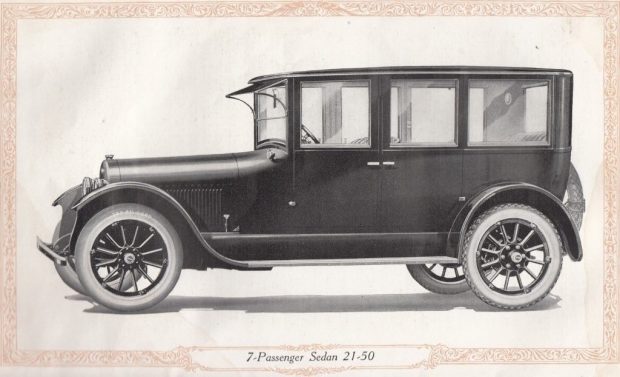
<point>523,193</point>
<point>158,199</point>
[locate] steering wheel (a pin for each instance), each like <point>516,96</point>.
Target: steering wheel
<point>273,143</point>
<point>308,136</point>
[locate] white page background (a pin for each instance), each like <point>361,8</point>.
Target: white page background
<point>155,87</point>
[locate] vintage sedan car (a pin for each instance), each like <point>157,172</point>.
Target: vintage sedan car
<point>463,174</point>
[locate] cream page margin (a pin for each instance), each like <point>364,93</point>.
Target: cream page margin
<point>149,87</point>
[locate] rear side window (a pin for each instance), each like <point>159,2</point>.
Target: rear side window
<point>513,112</point>
<point>422,113</point>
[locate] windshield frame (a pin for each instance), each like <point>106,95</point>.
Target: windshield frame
<point>282,143</point>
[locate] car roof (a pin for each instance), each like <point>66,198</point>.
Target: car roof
<point>412,69</point>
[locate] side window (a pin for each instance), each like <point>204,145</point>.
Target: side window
<point>335,113</point>
<point>508,112</point>
<point>423,113</point>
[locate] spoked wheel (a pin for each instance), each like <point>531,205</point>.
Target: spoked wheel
<point>512,256</point>
<point>115,260</point>
<point>447,273</point>
<point>440,278</point>
<point>67,272</point>
<point>128,257</point>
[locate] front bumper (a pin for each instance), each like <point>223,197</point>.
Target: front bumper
<point>49,252</point>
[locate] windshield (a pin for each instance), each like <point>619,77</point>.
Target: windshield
<point>270,114</point>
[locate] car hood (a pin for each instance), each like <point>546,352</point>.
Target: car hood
<point>191,169</point>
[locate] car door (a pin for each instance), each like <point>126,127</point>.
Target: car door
<point>421,174</point>
<point>336,158</point>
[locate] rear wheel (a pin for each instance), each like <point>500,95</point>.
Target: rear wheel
<point>512,256</point>
<point>128,244</point>
<point>440,278</point>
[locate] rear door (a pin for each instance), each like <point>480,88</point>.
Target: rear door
<point>510,133</point>
<point>422,164</point>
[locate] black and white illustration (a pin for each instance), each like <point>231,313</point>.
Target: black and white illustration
<point>462,174</point>
<point>291,185</point>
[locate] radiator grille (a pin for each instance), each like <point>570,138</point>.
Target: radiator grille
<point>202,202</point>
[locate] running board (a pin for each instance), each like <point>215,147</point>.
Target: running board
<point>349,261</point>
<point>324,249</point>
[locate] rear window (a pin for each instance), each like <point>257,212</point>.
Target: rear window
<point>422,113</point>
<point>513,112</point>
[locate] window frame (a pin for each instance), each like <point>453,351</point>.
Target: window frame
<point>298,121</point>
<point>285,84</point>
<point>424,145</point>
<point>519,144</point>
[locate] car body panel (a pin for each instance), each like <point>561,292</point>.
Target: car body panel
<point>335,192</point>
<point>518,192</point>
<point>299,203</point>
<point>421,189</point>
<point>191,169</point>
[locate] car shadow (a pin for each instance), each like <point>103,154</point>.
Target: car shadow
<point>414,302</point>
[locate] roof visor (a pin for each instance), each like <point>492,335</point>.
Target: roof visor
<point>252,88</point>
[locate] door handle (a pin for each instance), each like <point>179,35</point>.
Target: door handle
<point>373,164</point>
<point>389,164</point>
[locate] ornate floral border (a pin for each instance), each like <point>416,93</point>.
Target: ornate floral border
<point>181,357</point>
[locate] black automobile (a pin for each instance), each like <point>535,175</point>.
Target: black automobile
<point>463,174</point>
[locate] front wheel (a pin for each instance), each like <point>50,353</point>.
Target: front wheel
<point>128,243</point>
<point>66,271</point>
<point>69,277</point>
<point>512,256</point>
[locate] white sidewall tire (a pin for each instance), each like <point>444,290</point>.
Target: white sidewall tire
<point>474,236</point>
<point>66,272</point>
<point>421,275</point>
<point>70,278</point>
<point>96,225</point>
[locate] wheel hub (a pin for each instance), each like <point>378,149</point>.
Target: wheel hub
<point>129,258</point>
<point>516,257</point>
<point>512,258</point>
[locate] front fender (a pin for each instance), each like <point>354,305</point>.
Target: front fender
<point>121,192</point>
<point>517,192</point>
<point>124,186</point>
<point>67,221</point>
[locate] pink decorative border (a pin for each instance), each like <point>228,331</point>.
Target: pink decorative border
<point>181,357</point>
